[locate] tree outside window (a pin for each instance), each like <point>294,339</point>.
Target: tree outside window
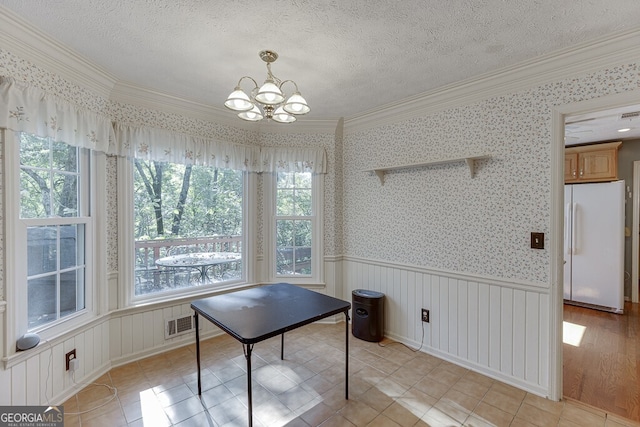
<point>181,209</point>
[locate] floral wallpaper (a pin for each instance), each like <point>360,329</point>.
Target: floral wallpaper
<point>438,216</point>
<point>112,213</point>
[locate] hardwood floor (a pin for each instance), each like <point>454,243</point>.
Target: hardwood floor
<point>603,371</point>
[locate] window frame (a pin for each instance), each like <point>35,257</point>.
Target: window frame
<point>317,242</point>
<point>16,237</point>
<point>126,246</point>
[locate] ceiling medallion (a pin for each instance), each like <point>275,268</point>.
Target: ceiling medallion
<point>267,101</point>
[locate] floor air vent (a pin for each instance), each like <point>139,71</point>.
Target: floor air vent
<point>178,326</point>
<point>630,115</point>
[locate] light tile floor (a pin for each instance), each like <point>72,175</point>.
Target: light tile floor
<point>389,385</point>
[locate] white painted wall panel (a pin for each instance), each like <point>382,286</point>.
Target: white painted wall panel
<point>18,384</point>
<point>495,326</point>
<point>137,332</point>
<point>519,350</point>
<point>484,324</point>
<point>88,360</point>
<point>56,374</point>
<point>506,336</point>
<point>543,340</point>
<point>148,330</point>
<point>452,301</point>
<point>463,318</point>
<point>46,361</point>
<point>473,318</point>
<point>126,334</point>
<point>5,391</point>
<point>532,330</point>
<point>81,354</point>
<point>105,335</point>
<point>158,327</point>
<point>33,381</point>
<point>115,345</point>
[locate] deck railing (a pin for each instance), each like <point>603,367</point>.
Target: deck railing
<point>148,251</point>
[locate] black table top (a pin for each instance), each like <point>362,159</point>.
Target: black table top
<point>253,315</point>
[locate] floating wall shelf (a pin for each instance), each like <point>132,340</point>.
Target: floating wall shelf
<point>469,160</point>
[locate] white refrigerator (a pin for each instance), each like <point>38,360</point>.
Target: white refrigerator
<point>594,245</point>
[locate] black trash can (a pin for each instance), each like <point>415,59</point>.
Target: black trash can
<point>368,315</point>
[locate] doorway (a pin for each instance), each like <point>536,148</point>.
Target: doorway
<point>585,111</point>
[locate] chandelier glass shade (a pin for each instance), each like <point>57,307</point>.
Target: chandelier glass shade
<point>267,101</point>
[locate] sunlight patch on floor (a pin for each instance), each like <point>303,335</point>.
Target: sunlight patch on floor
<point>572,333</point>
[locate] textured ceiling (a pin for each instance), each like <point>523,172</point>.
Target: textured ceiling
<point>347,56</point>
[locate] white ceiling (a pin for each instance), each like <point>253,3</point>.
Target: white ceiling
<point>347,56</point>
<point>603,126</point>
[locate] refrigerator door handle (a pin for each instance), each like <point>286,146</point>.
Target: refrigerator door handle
<point>567,232</point>
<point>574,222</point>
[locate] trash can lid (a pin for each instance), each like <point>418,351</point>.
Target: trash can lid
<point>367,293</point>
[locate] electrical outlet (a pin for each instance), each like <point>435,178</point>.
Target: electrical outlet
<point>69,357</point>
<point>425,315</point>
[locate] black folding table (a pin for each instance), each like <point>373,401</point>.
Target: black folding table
<point>256,314</point>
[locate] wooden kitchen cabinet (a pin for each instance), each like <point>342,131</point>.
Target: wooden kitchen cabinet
<point>591,163</point>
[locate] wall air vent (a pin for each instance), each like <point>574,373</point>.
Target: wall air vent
<point>178,326</point>
<point>631,115</point>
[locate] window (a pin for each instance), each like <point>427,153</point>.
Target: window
<point>188,227</point>
<point>297,242</point>
<point>50,233</point>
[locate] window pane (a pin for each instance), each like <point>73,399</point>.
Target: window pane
<point>65,199</point>
<point>42,250</point>
<point>189,213</point>
<point>303,180</point>
<point>34,151</point>
<point>303,203</point>
<point>42,300</point>
<point>285,205</point>
<point>303,261</point>
<point>284,261</point>
<point>49,174</point>
<point>284,232</point>
<point>68,246</point>
<point>71,294</point>
<point>64,157</point>
<point>35,197</point>
<point>303,233</point>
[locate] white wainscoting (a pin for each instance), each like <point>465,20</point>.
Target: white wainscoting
<point>41,378</point>
<point>494,327</point>
<point>112,340</point>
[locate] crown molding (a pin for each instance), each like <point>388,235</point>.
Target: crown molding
<point>615,49</point>
<point>27,42</point>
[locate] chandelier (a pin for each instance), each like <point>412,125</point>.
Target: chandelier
<point>267,101</point>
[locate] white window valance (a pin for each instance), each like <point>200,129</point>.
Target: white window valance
<point>25,108</point>
<point>140,142</point>
<point>160,145</point>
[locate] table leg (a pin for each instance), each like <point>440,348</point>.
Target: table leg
<point>282,348</point>
<point>198,351</point>
<point>346,357</point>
<point>247,354</point>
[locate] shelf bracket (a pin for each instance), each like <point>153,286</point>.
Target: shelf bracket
<point>472,166</point>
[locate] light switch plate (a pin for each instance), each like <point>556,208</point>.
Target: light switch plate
<point>537,240</point>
